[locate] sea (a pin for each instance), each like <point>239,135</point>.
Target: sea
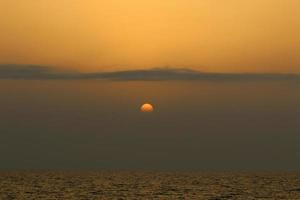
<point>94,185</point>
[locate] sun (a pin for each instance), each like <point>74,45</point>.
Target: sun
<point>147,108</point>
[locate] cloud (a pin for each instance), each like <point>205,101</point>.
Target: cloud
<point>12,71</point>
<point>42,72</point>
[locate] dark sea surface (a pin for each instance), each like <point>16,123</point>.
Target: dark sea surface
<point>148,185</point>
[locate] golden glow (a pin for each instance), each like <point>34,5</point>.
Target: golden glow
<point>147,108</point>
<point>209,35</point>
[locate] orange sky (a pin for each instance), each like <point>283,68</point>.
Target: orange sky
<point>209,35</point>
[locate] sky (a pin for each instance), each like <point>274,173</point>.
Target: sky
<point>223,77</point>
<point>207,35</point>
<point>196,125</point>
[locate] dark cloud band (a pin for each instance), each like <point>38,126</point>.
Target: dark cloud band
<point>42,72</point>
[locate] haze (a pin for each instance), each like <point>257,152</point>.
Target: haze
<point>196,125</point>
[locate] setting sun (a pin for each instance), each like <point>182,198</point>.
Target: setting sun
<point>147,108</point>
